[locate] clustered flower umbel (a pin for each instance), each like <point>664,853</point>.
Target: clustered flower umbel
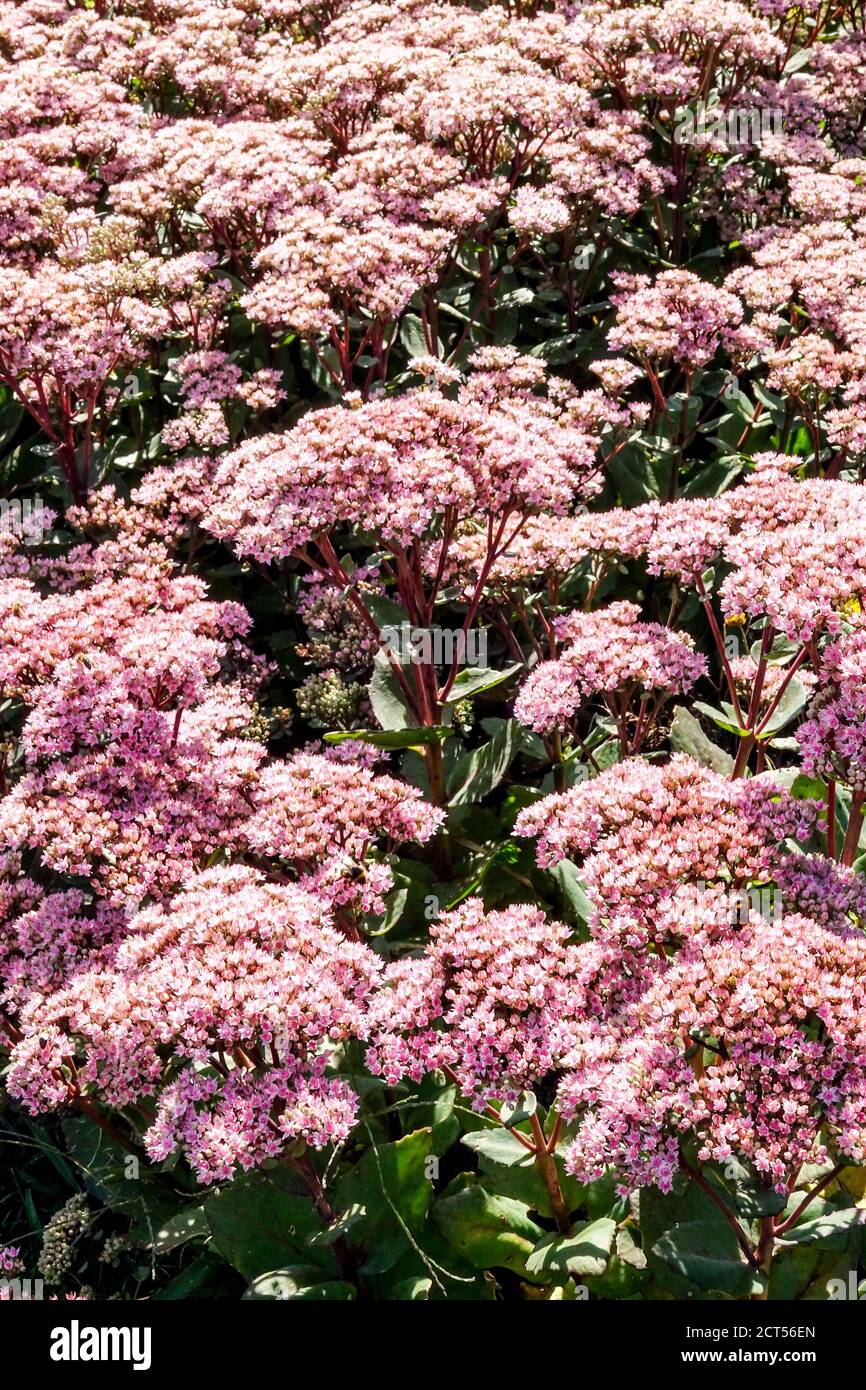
<point>664,852</point>
<point>792,551</point>
<point>392,466</point>
<point>639,830</point>
<point>487,999</point>
<point>235,974</point>
<point>134,766</point>
<point>604,653</point>
<point>503,999</point>
<point>780,1005</point>
<point>164,976</point>
<point>833,736</point>
<point>323,175</point>
<point>325,817</point>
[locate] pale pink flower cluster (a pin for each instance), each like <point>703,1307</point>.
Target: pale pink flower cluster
<point>779,1006</point>
<point>134,764</point>
<point>210,382</point>
<point>234,973</point>
<point>488,999</point>
<point>794,551</point>
<point>44,947</point>
<point>325,817</point>
<point>659,50</point>
<point>604,653</point>
<point>678,317</point>
<point>640,830</point>
<point>223,1127</point>
<point>548,546</point>
<point>392,466</point>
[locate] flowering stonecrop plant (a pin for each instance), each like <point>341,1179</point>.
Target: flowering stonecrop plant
<point>433,670</point>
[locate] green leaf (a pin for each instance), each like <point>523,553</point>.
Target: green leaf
<point>488,1231</point>
<point>724,718</point>
<point>384,610</point>
<point>391,1184</point>
<point>476,774</point>
<point>474,679</point>
<point>578,903</point>
<point>586,1250</point>
<point>257,1226</point>
<point>752,1198</point>
<point>713,479</point>
<point>338,1228</point>
<point>288,1283</point>
<point>556,350</point>
<point>638,478</point>
<point>498,1148</point>
<point>804,1272</point>
<point>415,1289</point>
<point>386,697</point>
<point>829,1231</point>
<point>707,1254</point>
<point>412,336</point>
<point>393,738</point>
<point>780,653</point>
<point>775,404</point>
<point>792,703</point>
<point>523,1109</point>
<point>204,1270</point>
<point>188,1224</point>
<point>687,736</point>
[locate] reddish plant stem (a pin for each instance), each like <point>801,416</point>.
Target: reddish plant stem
<point>831,819</point>
<point>855,825</point>
<point>558,765</point>
<point>304,1167</point>
<point>764,1253</point>
<point>492,1114</point>
<point>792,1220</point>
<point>789,675</point>
<point>720,644</point>
<point>747,743</point>
<point>547,1170</point>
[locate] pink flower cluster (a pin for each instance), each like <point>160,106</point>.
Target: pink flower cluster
<point>641,829</point>
<point>677,317</point>
<point>833,735</point>
<point>324,817</point>
<point>488,1000</point>
<point>607,653</point>
<point>134,767</point>
<point>234,974</point>
<point>778,1008</point>
<point>392,466</point>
